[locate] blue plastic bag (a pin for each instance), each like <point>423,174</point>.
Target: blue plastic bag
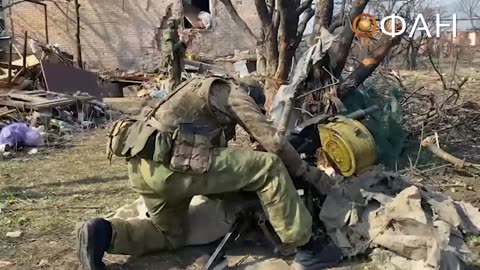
<point>19,134</point>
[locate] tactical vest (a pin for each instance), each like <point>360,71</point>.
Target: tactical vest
<point>184,118</point>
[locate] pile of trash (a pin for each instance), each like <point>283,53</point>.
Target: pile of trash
<point>406,225</point>
<point>45,99</point>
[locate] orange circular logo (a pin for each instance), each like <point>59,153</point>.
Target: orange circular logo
<point>365,25</point>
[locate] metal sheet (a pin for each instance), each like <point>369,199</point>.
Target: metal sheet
<point>60,78</point>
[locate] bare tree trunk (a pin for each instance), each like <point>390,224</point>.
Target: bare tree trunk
<point>413,58</point>
<point>407,57</point>
<point>261,63</point>
<point>340,50</point>
<point>239,21</point>
<point>79,43</point>
<point>323,18</point>
<point>280,35</point>
<point>323,15</point>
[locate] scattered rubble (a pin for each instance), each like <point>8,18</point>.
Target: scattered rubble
<point>47,99</point>
<point>43,263</point>
<point>384,211</point>
<point>15,234</point>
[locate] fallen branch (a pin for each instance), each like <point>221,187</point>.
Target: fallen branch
<point>5,113</point>
<point>442,79</point>
<point>412,94</point>
<point>430,144</point>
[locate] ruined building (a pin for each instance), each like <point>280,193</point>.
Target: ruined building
<point>123,33</point>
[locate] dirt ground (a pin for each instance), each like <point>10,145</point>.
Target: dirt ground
<point>47,194</point>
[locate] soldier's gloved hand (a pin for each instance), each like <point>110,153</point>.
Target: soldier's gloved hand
<point>319,179</point>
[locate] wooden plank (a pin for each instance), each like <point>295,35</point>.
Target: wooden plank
<point>31,61</point>
<point>112,100</point>
<point>5,65</point>
<point>44,94</point>
<point>30,98</point>
<point>7,112</point>
<point>32,92</point>
<point>44,105</point>
<point>60,102</point>
<point>16,104</point>
<point>46,101</point>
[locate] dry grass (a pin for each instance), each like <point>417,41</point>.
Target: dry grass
<point>47,195</point>
<point>431,81</point>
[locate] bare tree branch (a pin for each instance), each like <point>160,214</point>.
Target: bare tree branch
<point>303,24</point>
<point>368,65</point>
<point>470,7</point>
<point>240,22</point>
<point>323,15</point>
<point>276,20</point>
<point>263,13</point>
<point>272,50</point>
<point>271,7</point>
<point>339,19</point>
<point>304,6</point>
<point>337,22</point>
<point>341,49</point>
<point>287,37</point>
<point>13,3</point>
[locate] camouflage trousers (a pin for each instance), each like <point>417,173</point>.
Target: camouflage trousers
<point>167,196</point>
<point>174,71</point>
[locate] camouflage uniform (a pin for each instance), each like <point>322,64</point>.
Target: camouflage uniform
<point>173,160</point>
<point>173,53</point>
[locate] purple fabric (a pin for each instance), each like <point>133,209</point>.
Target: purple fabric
<point>19,134</point>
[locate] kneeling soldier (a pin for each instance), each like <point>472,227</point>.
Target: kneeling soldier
<point>179,150</point>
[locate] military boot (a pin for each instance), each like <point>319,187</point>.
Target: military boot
<point>93,238</point>
<point>315,256</point>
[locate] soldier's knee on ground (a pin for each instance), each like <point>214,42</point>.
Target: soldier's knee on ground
<point>136,237</point>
